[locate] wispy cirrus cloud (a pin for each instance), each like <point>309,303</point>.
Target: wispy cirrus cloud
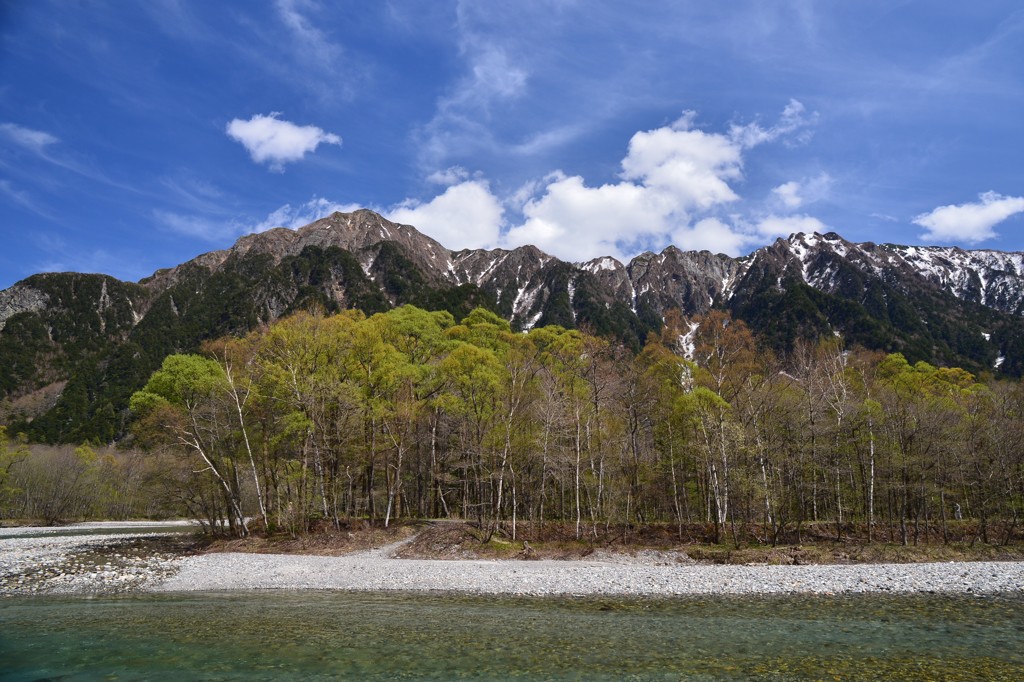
<point>196,194</point>
<point>795,124</point>
<point>797,193</point>
<point>272,140</point>
<point>309,41</point>
<point>298,215</point>
<point>214,229</point>
<point>461,120</point>
<point>301,48</point>
<point>23,198</point>
<point>63,256</point>
<point>221,228</point>
<point>494,75</point>
<point>33,140</point>
<point>970,222</point>
<point>47,147</point>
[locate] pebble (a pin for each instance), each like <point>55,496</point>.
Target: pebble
<point>81,564</point>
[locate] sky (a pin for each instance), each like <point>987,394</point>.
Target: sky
<point>137,135</point>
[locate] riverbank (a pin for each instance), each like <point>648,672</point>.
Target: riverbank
<point>106,557</point>
<point>138,561</point>
<point>375,571</point>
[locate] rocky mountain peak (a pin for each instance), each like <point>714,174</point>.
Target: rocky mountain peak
<point>356,232</point>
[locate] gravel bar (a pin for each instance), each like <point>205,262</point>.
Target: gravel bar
<point>102,564</point>
<point>86,558</point>
<point>377,572</point>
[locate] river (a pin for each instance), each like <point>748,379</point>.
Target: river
<point>364,636</point>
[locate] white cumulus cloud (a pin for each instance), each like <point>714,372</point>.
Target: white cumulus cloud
<point>668,175</point>
<point>675,182</point>
<point>971,222</point>
<point>270,139</point>
<point>710,234</point>
<point>577,222</point>
<point>464,216</point>
<point>677,185</point>
<point>789,194</point>
<point>691,166</point>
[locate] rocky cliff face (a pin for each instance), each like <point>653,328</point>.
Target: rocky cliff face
<point>515,278</point>
<point>691,280</point>
<point>98,339</point>
<point>20,298</point>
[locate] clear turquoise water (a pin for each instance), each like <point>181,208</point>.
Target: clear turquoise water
<point>331,635</point>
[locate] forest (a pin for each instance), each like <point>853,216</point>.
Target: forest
<point>316,420</point>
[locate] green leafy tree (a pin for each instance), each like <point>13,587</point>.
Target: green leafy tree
<point>189,396</point>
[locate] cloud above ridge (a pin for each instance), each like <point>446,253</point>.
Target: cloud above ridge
<point>465,216</point>
<point>221,226</point>
<point>970,222</point>
<point>677,183</point>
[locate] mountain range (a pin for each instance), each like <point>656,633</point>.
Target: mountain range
<point>73,347</point>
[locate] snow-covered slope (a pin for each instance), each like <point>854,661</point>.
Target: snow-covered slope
<point>992,278</point>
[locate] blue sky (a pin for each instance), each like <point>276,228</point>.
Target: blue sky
<point>134,136</point>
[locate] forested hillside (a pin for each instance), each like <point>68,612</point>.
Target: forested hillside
<point>317,419</point>
<point>74,347</point>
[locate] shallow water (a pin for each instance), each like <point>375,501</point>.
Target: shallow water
<point>332,635</point>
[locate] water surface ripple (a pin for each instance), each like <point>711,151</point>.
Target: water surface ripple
<point>340,635</point>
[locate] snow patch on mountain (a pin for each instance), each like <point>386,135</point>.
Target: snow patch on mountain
<point>686,342</point>
<point>992,278</point>
<point>598,264</point>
